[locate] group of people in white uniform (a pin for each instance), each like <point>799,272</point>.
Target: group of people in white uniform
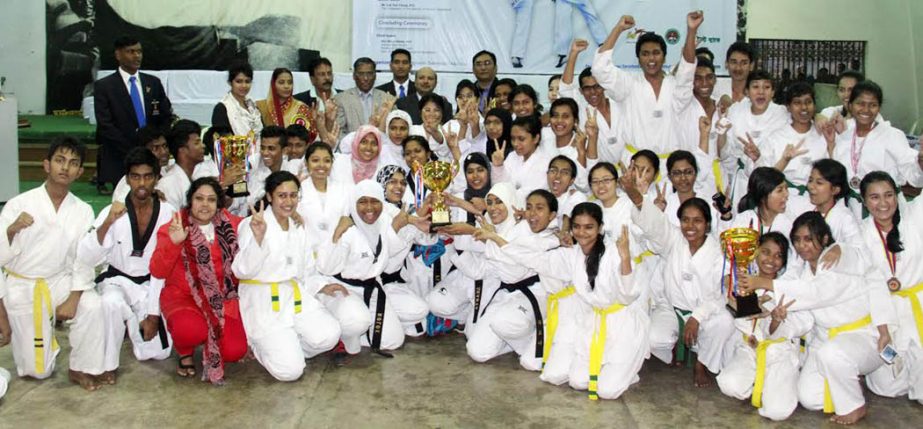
<point>585,247</point>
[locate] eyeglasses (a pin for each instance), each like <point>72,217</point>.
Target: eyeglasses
<point>689,172</point>
<point>554,171</point>
<point>602,181</point>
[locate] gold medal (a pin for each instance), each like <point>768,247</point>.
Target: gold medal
<point>894,284</point>
<point>855,182</point>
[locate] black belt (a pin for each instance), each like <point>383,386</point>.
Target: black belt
<point>523,286</point>
<point>115,272</point>
<point>478,290</point>
<point>370,285</point>
<point>394,277</point>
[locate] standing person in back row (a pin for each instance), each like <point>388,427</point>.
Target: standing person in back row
<point>124,102</point>
<point>357,104</point>
<point>400,84</point>
<point>653,99</point>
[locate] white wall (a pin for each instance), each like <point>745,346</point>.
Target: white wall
<point>22,52</point>
<point>886,25</point>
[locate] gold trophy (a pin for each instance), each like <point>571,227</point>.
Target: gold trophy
<point>234,150</point>
<point>740,247</point>
<point>437,175</point>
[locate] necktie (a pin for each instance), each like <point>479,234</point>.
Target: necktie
<point>401,94</point>
<point>136,101</point>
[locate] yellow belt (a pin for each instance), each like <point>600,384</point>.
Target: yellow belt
<point>757,397</point>
<point>719,180</point>
<point>551,324</point>
<point>637,260</point>
<point>41,294</point>
<point>911,294</point>
<point>598,345</point>
<point>831,334</point>
<point>274,291</point>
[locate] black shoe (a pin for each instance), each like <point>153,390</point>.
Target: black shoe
<point>101,188</point>
<point>562,59</point>
<point>517,62</point>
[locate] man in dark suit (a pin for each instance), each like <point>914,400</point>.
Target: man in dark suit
<point>400,84</point>
<point>321,73</point>
<point>426,83</point>
<point>125,101</point>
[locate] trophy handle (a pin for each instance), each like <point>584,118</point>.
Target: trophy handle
<point>454,169</point>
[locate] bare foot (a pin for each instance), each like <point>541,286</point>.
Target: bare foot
<point>85,381</point>
<point>701,377</point>
<point>108,377</point>
<point>851,418</point>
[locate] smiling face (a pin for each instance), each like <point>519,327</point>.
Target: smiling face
<point>802,110</point>
<point>496,209</point>
<point>562,121</point>
<point>204,205</point>
<point>369,209</point>
<point>865,109</point>
<point>523,143</point>
<point>398,129</point>
<point>650,58</point>
<point>502,93</point>
<point>296,147</point>
<point>693,225</point>
<point>603,185</point>
<point>769,259</point>
<point>240,86</point>
<point>319,164</point>
<point>760,93</point>
<point>643,165</point>
<point>585,231</point>
<point>414,151</point>
<point>394,188</point>
<point>431,114</point>
<point>476,175</point>
<point>368,148</point>
<point>592,91</point>
<point>560,177</point>
<point>844,89</point>
<point>523,105</point>
<point>703,84</point>
<point>284,85</point>
<point>806,246</point>
<point>880,200</point>
<point>538,214</point>
<point>821,191</point>
<point>271,152</point>
<point>683,176</point>
<point>284,199</point>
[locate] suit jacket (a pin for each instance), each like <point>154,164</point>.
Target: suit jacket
<point>116,123</point>
<point>309,99</point>
<point>350,115</point>
<point>411,105</point>
<point>389,88</point>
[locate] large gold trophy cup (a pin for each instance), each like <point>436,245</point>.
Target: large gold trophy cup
<point>437,176</point>
<point>740,247</point>
<point>233,151</point>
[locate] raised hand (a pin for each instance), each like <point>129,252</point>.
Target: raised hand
<point>258,223</point>
<point>781,311</point>
<point>750,148</point>
<point>499,154</point>
<point>462,114</point>
<point>793,151</point>
<point>176,230</point>
<point>23,221</point>
<point>330,110</point>
<point>622,243</point>
<point>334,135</point>
<point>580,139</point>
<point>115,211</point>
<point>694,19</point>
<point>704,125</point>
<point>591,126</point>
<point>625,22</point>
<point>578,46</point>
<point>661,200</point>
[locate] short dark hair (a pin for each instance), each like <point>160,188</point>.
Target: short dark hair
<point>465,83</point>
<point>142,156</point>
<point>798,89</point>
<point>817,228</point>
<point>781,241</point>
<point>569,103</point>
<point>546,195</point>
<point>867,87</point>
<point>705,52</point>
<point>124,42</point>
<point>240,67</point>
<point>858,76</point>
<point>432,98</point>
<point>508,82</point>
<point>205,181</point>
<point>651,157</point>
<point>553,78</point>
<point>273,131</point>
<point>650,38</point>
<point>587,72</point>
<point>400,51</point>
<point>314,64</point>
<point>179,134</point>
<point>705,62</point>
<point>209,138</point>
<point>297,131</point>
<point>364,60</point>
<point>681,155</point>
<point>316,146</point>
<point>531,123</point>
<point>488,53</point>
<point>742,47</point>
<point>67,144</point>
<point>696,203</point>
<point>570,163</point>
<point>277,178</point>
<point>759,74</point>
<point>149,133</point>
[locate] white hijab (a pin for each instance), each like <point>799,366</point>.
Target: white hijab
<point>368,188</point>
<point>506,193</point>
<point>242,120</point>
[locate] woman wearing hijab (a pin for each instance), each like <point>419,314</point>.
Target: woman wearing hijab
<point>397,128</point>
<point>280,108</point>
<point>199,300</point>
<point>362,161</point>
<point>497,125</point>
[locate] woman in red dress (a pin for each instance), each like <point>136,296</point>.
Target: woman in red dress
<point>199,300</point>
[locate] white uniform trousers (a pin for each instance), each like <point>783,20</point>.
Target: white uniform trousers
<point>564,27</point>
<point>4,381</point>
<point>886,381</point>
<point>411,309</point>
<point>840,361</point>
<point>712,344</point>
<point>780,380</point>
<point>457,297</point>
<point>557,367</point>
<point>87,329</point>
<point>625,350</point>
<point>522,24</point>
<point>281,334</point>
<point>124,304</point>
<point>508,324</point>
<point>351,314</point>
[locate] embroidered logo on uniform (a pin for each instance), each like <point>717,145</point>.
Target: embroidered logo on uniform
<point>364,255</point>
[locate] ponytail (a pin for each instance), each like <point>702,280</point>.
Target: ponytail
<point>592,260</point>
<point>893,239</point>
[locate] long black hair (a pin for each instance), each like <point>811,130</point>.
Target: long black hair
<point>780,240</point>
<point>762,182</point>
<point>893,239</point>
<point>817,228</point>
<point>835,173</point>
<point>599,247</point>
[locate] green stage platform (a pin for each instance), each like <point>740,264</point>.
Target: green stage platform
<point>46,127</point>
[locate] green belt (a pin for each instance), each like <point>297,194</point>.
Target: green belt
<point>682,352</point>
<point>800,188</point>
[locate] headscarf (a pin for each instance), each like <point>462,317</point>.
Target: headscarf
<point>207,290</point>
<point>397,114</point>
<point>507,119</point>
<point>367,188</point>
<point>506,192</point>
<point>471,193</point>
<point>384,176</point>
<point>363,170</point>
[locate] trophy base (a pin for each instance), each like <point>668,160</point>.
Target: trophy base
<point>440,218</point>
<point>744,306</point>
<point>238,189</point>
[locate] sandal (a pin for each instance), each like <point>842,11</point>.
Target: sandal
<point>183,369</point>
